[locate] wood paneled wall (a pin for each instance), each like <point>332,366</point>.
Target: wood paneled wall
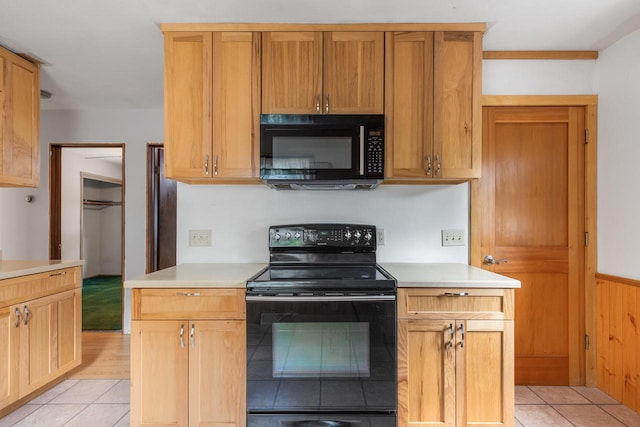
<point>618,342</point>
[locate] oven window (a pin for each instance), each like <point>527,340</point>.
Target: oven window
<point>316,350</point>
<point>311,152</point>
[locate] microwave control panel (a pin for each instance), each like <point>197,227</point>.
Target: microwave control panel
<point>375,154</point>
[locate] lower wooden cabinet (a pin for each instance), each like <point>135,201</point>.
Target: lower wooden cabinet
<point>40,338</point>
<point>455,368</point>
<point>188,370</point>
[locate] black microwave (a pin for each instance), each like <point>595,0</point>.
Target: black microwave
<point>322,151</point>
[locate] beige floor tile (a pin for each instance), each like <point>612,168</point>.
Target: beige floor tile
<point>85,391</point>
<point>20,413</point>
<point>587,416</point>
<point>559,395</point>
<point>517,423</point>
<point>623,414</point>
<point>540,416</point>
<point>596,396</point>
<point>525,396</point>
<point>51,416</point>
<point>119,393</point>
<point>124,421</point>
<point>98,415</point>
<point>54,392</point>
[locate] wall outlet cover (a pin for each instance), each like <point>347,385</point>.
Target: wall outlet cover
<point>199,237</point>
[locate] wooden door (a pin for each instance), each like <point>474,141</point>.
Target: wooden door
<point>21,137</point>
<point>2,115</point>
<point>409,100</point>
<point>457,80</point>
<point>217,377</point>
<point>426,373</point>
<point>187,92</point>
<point>484,369</point>
<point>531,204</point>
<point>159,373</point>
<point>291,72</point>
<point>9,359</point>
<point>236,104</point>
<point>353,72</point>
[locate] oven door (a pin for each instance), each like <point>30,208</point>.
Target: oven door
<point>328,354</point>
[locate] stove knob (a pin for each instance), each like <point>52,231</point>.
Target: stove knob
<point>277,236</point>
<point>297,235</point>
<point>368,235</point>
<point>357,234</point>
<point>287,235</point>
<point>347,235</point>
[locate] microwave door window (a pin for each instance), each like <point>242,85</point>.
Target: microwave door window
<point>311,152</point>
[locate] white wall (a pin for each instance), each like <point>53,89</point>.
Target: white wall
<point>619,159</point>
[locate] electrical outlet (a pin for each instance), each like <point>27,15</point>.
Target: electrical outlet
<point>199,237</point>
<point>453,237</point>
<point>380,236</point>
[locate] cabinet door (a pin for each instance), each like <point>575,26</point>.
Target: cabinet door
<point>159,373</point>
<point>291,72</point>
<point>9,362</point>
<point>426,373</point>
<point>353,72</point>
<point>457,80</point>
<point>21,139</point>
<point>409,99</point>
<point>187,104</point>
<point>485,373</point>
<point>217,374</point>
<point>69,331</point>
<point>236,106</point>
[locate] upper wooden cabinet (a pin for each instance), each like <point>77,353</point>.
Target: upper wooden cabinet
<point>212,108</point>
<point>19,121</point>
<point>339,72</point>
<point>433,91</point>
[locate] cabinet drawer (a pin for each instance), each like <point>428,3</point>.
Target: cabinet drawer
<point>32,286</point>
<point>193,304</point>
<point>458,303</point>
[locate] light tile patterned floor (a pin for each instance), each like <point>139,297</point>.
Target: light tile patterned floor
<point>105,403</point>
<point>95,403</point>
<point>543,406</point>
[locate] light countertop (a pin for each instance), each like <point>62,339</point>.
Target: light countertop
<point>446,275</point>
<point>205,275</point>
<point>10,268</point>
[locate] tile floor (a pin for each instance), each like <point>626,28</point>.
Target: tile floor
<point>81,403</point>
<point>99,403</point>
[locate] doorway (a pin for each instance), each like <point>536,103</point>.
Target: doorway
<point>87,208</point>
<point>532,210</point>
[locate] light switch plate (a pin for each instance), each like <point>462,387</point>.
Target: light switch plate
<point>453,237</point>
<point>199,237</point>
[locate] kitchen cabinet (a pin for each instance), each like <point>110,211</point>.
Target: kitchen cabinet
<point>433,105</point>
<point>40,320</point>
<point>212,108</point>
<point>19,121</point>
<point>188,357</point>
<point>455,357</point>
<point>313,72</point>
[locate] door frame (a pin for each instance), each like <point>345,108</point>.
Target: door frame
<point>590,103</point>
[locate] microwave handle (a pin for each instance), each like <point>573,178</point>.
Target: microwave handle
<point>361,150</point>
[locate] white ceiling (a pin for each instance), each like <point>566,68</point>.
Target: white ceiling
<point>108,53</point>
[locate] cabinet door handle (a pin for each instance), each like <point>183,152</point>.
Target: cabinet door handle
<point>27,315</point>
<point>18,318</point>
<point>215,165</point>
<point>317,103</point>
<point>206,164</point>
<point>193,336</point>
<point>438,165</point>
<point>181,336</point>
<point>456,294</point>
<point>462,335</point>
<point>428,165</point>
<point>449,344</point>
<point>326,105</point>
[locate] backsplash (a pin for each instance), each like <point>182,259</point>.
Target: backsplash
<point>412,217</point>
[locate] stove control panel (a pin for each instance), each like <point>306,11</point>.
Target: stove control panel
<point>322,235</point>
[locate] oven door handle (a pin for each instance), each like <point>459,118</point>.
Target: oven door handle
<point>276,298</point>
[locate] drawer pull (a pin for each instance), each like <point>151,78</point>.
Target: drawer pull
<point>456,294</point>
<point>62,273</point>
<point>188,294</point>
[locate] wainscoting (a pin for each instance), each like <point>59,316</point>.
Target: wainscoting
<point>618,340</point>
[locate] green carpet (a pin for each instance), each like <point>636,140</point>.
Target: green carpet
<point>102,303</point>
